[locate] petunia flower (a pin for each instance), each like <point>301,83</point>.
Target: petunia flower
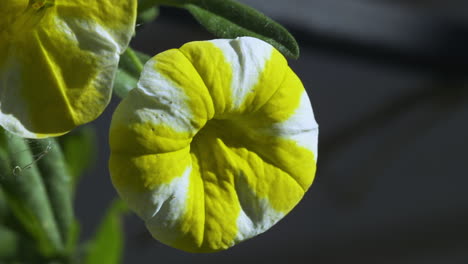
<point>216,144</point>
<point>58,59</point>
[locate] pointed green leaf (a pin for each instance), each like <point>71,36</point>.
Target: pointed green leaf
<point>147,15</point>
<point>3,206</point>
<point>72,243</point>
<point>144,5</point>
<point>57,180</point>
<point>8,243</point>
<point>26,194</point>
<point>230,19</point>
<point>107,244</point>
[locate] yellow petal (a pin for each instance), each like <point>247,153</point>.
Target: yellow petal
<point>57,63</point>
<point>216,144</point>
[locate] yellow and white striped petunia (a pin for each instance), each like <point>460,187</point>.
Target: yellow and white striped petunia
<point>58,59</point>
<point>216,144</point>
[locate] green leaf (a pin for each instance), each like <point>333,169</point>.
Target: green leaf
<point>9,243</point>
<point>107,244</point>
<point>3,206</point>
<point>144,5</point>
<point>142,57</point>
<point>148,15</point>
<point>26,194</point>
<point>79,150</point>
<point>57,180</point>
<point>23,246</point>
<point>147,11</point>
<point>130,66</point>
<point>72,243</point>
<point>231,19</point>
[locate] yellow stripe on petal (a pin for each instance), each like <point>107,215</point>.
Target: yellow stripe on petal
<point>166,166</point>
<point>211,65</point>
<point>246,134</point>
<point>174,66</point>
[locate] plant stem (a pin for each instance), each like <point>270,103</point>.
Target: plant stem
<point>8,243</point>
<point>26,194</point>
<point>58,182</point>
<point>130,53</point>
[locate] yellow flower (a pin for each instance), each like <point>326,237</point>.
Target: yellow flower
<point>57,61</point>
<point>216,144</point>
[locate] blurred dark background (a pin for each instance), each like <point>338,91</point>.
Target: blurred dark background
<point>388,84</point>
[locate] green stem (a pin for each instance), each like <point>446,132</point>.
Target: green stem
<point>130,53</point>
<point>26,194</point>
<point>9,243</point>
<point>58,182</point>
<point>130,67</point>
<point>3,205</point>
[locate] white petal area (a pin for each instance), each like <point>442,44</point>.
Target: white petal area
<point>162,207</point>
<point>117,16</point>
<point>89,35</point>
<point>247,57</point>
<point>256,215</point>
<point>100,42</point>
<point>300,127</point>
<point>168,103</point>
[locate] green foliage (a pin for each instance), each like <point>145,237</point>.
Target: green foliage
<point>9,243</point>
<point>124,82</point>
<point>58,182</point>
<point>3,206</point>
<point>107,244</point>
<point>26,194</point>
<point>147,12</point>
<point>130,67</point>
<point>231,19</point>
<point>144,5</point>
<point>79,150</point>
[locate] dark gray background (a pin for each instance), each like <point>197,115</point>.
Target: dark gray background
<point>388,85</point>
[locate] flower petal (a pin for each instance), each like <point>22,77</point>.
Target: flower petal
<point>216,144</point>
<point>57,64</point>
